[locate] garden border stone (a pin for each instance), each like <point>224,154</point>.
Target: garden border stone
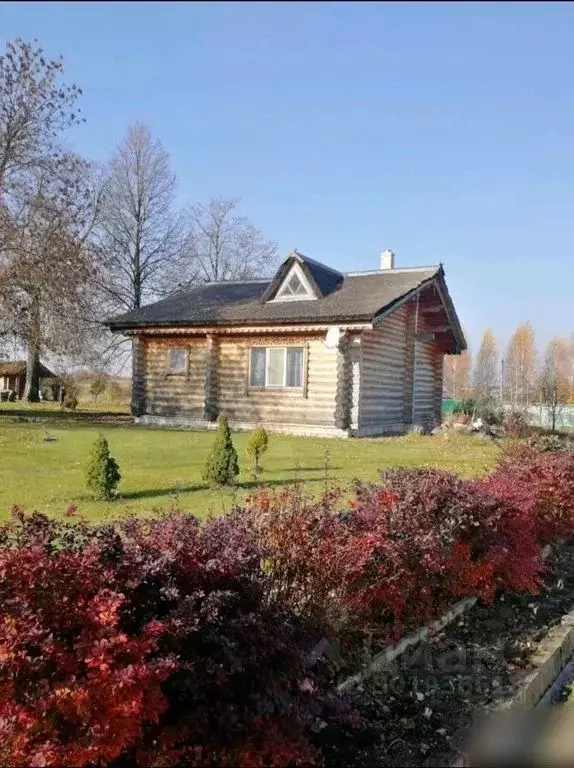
<point>549,659</point>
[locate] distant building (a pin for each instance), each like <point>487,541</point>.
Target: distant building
<point>13,378</point>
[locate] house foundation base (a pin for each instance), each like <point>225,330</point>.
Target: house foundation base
<point>181,422</point>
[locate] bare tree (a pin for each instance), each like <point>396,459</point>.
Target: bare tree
<point>555,380</point>
<point>139,236</point>
<point>485,373</point>
<point>221,245</point>
<point>45,274</point>
<point>35,108</point>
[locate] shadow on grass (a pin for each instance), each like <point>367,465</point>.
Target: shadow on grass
<point>153,493</point>
<point>299,470</point>
<point>109,418</point>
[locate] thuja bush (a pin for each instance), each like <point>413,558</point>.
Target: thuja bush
<point>149,642</point>
<point>102,471</point>
<point>222,467</point>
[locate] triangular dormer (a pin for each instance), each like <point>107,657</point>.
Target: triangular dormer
<point>302,279</point>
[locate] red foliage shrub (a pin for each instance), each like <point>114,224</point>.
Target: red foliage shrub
<point>161,641</point>
<point>542,485</point>
<point>145,643</point>
<point>401,554</point>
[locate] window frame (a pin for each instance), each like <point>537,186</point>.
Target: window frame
<point>295,271</point>
<point>284,385</point>
<point>185,370</point>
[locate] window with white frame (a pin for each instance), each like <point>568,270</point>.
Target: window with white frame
<point>276,367</point>
<point>295,287</point>
<point>177,360</point>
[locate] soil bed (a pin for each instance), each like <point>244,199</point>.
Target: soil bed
<point>420,713</point>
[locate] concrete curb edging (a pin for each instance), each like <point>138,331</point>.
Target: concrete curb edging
<point>550,658</point>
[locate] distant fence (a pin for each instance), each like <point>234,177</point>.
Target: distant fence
<point>537,416</point>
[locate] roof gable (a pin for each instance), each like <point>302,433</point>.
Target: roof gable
<point>320,279</point>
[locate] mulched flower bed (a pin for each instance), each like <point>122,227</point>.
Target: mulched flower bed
<point>420,714</point>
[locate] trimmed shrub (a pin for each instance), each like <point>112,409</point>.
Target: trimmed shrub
<point>148,642</point>
<point>542,484</point>
<point>402,553</point>
<point>222,467</point>
<point>102,473</point>
<point>70,402</point>
<point>256,446</point>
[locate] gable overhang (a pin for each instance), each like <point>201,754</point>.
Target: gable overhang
<point>437,282</point>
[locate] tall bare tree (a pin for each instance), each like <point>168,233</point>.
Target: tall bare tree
<point>520,365</point>
<point>222,245</point>
<point>45,273</point>
<point>42,205</point>
<point>457,373</point>
<point>485,372</point>
<point>555,379</point>
<point>35,108</point>
<point>139,235</point>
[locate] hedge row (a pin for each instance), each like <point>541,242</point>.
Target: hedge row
<point>162,641</point>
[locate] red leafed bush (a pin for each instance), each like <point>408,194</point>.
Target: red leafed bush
<point>403,552</point>
<point>147,642</point>
<point>542,484</point>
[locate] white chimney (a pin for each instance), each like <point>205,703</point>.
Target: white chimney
<point>387,259</point>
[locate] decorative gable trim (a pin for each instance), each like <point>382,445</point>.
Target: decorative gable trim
<point>295,280</point>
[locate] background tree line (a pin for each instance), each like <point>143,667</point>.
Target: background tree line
<point>520,376</point>
<point>81,242</point>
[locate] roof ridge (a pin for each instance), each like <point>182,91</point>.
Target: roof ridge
<point>226,282</point>
<point>423,268</point>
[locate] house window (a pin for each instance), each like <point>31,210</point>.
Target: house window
<point>276,367</point>
<point>177,360</point>
<point>295,287</point>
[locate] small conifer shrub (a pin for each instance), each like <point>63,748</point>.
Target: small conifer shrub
<point>222,467</point>
<point>103,474</point>
<point>256,446</point>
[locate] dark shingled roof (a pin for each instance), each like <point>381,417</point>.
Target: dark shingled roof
<point>358,298</point>
<point>342,298</point>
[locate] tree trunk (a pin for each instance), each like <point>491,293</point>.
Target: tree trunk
<point>32,388</point>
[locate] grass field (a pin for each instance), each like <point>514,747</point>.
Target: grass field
<point>161,467</point>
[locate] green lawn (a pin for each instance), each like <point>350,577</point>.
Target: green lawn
<point>160,467</point>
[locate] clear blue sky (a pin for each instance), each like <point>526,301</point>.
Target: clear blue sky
<point>443,131</point>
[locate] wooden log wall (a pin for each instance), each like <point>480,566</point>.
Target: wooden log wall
<point>313,405</point>
<point>384,374</point>
<point>424,388</point>
<point>175,394</point>
<point>138,404</point>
